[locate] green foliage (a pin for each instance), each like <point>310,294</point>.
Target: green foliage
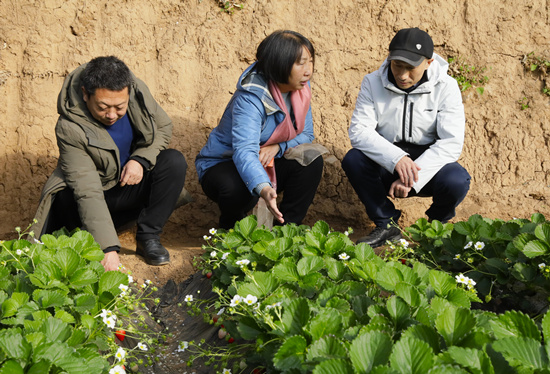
<point>308,300</point>
<point>523,103</point>
<point>506,260</point>
<point>229,6</point>
<point>467,76</point>
<point>539,66</point>
<point>59,307</point>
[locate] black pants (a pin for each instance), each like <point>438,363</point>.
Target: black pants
<point>223,184</point>
<point>372,182</point>
<point>151,202</point>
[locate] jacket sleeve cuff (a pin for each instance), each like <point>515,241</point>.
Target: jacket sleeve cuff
<point>112,249</point>
<point>260,187</point>
<point>143,162</point>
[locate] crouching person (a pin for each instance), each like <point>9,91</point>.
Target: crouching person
<point>407,133</point>
<point>257,149</point>
<point>113,166</point>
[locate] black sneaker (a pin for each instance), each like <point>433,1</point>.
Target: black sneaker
<point>379,235</point>
<point>153,252</point>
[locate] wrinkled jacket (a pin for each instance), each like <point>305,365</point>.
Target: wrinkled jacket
<point>89,161</point>
<point>384,115</point>
<point>248,121</point>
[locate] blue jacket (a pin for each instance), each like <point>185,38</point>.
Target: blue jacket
<point>248,121</point>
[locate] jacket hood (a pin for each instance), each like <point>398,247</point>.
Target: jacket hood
<point>255,83</point>
<point>437,71</point>
<point>70,102</point>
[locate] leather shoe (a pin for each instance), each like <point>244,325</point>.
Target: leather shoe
<point>153,252</point>
<point>379,235</point>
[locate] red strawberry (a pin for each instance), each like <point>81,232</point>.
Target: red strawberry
<point>231,340</point>
<point>120,334</point>
<point>209,275</point>
<point>215,318</point>
<point>403,261</point>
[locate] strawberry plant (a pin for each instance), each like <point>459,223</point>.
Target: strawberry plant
<point>60,309</point>
<point>507,260</point>
<point>307,300</point>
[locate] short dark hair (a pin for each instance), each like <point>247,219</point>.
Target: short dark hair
<point>106,72</point>
<point>278,52</point>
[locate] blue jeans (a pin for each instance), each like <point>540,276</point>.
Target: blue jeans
<point>372,183</point>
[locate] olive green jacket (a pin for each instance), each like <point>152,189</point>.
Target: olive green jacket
<point>89,161</point>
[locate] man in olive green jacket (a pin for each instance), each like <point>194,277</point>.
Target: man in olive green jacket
<point>113,165</point>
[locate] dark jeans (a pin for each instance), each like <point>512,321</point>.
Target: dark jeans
<point>372,183</point>
<point>223,184</point>
<point>151,202</point>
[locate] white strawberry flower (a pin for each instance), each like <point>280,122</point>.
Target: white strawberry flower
<point>461,278</point>
<point>182,346</point>
<point>110,322</point>
<point>123,288</point>
<point>120,354</point>
<point>479,246</point>
<point>117,370</point>
<point>250,299</point>
<point>236,300</point>
<point>343,256</point>
<point>243,262</point>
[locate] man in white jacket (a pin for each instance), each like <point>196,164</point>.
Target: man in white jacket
<point>407,132</point>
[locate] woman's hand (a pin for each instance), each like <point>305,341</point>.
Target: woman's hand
<point>270,197</point>
<point>267,153</point>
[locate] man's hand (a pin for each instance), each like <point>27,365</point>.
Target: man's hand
<point>270,197</point>
<point>398,189</point>
<point>267,153</point>
<point>132,173</point>
<point>408,171</point>
<point>111,261</point>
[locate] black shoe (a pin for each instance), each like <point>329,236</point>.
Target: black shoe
<point>379,235</point>
<point>153,252</point>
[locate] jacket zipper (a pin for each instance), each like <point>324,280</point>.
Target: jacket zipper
<point>404,116</point>
<point>411,120</point>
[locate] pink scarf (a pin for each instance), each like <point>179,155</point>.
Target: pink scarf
<point>285,131</point>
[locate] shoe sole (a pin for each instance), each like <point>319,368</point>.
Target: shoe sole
<point>154,262</point>
<point>391,239</point>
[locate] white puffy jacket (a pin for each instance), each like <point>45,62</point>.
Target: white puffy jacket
<point>384,115</point>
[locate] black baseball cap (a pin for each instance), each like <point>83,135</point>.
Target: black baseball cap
<point>411,46</point>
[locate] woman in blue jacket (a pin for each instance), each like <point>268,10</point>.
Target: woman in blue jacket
<point>248,155</point>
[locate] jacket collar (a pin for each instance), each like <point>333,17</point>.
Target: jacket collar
<point>438,68</point>
<point>255,83</point>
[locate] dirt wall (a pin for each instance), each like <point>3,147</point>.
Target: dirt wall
<point>190,54</point>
